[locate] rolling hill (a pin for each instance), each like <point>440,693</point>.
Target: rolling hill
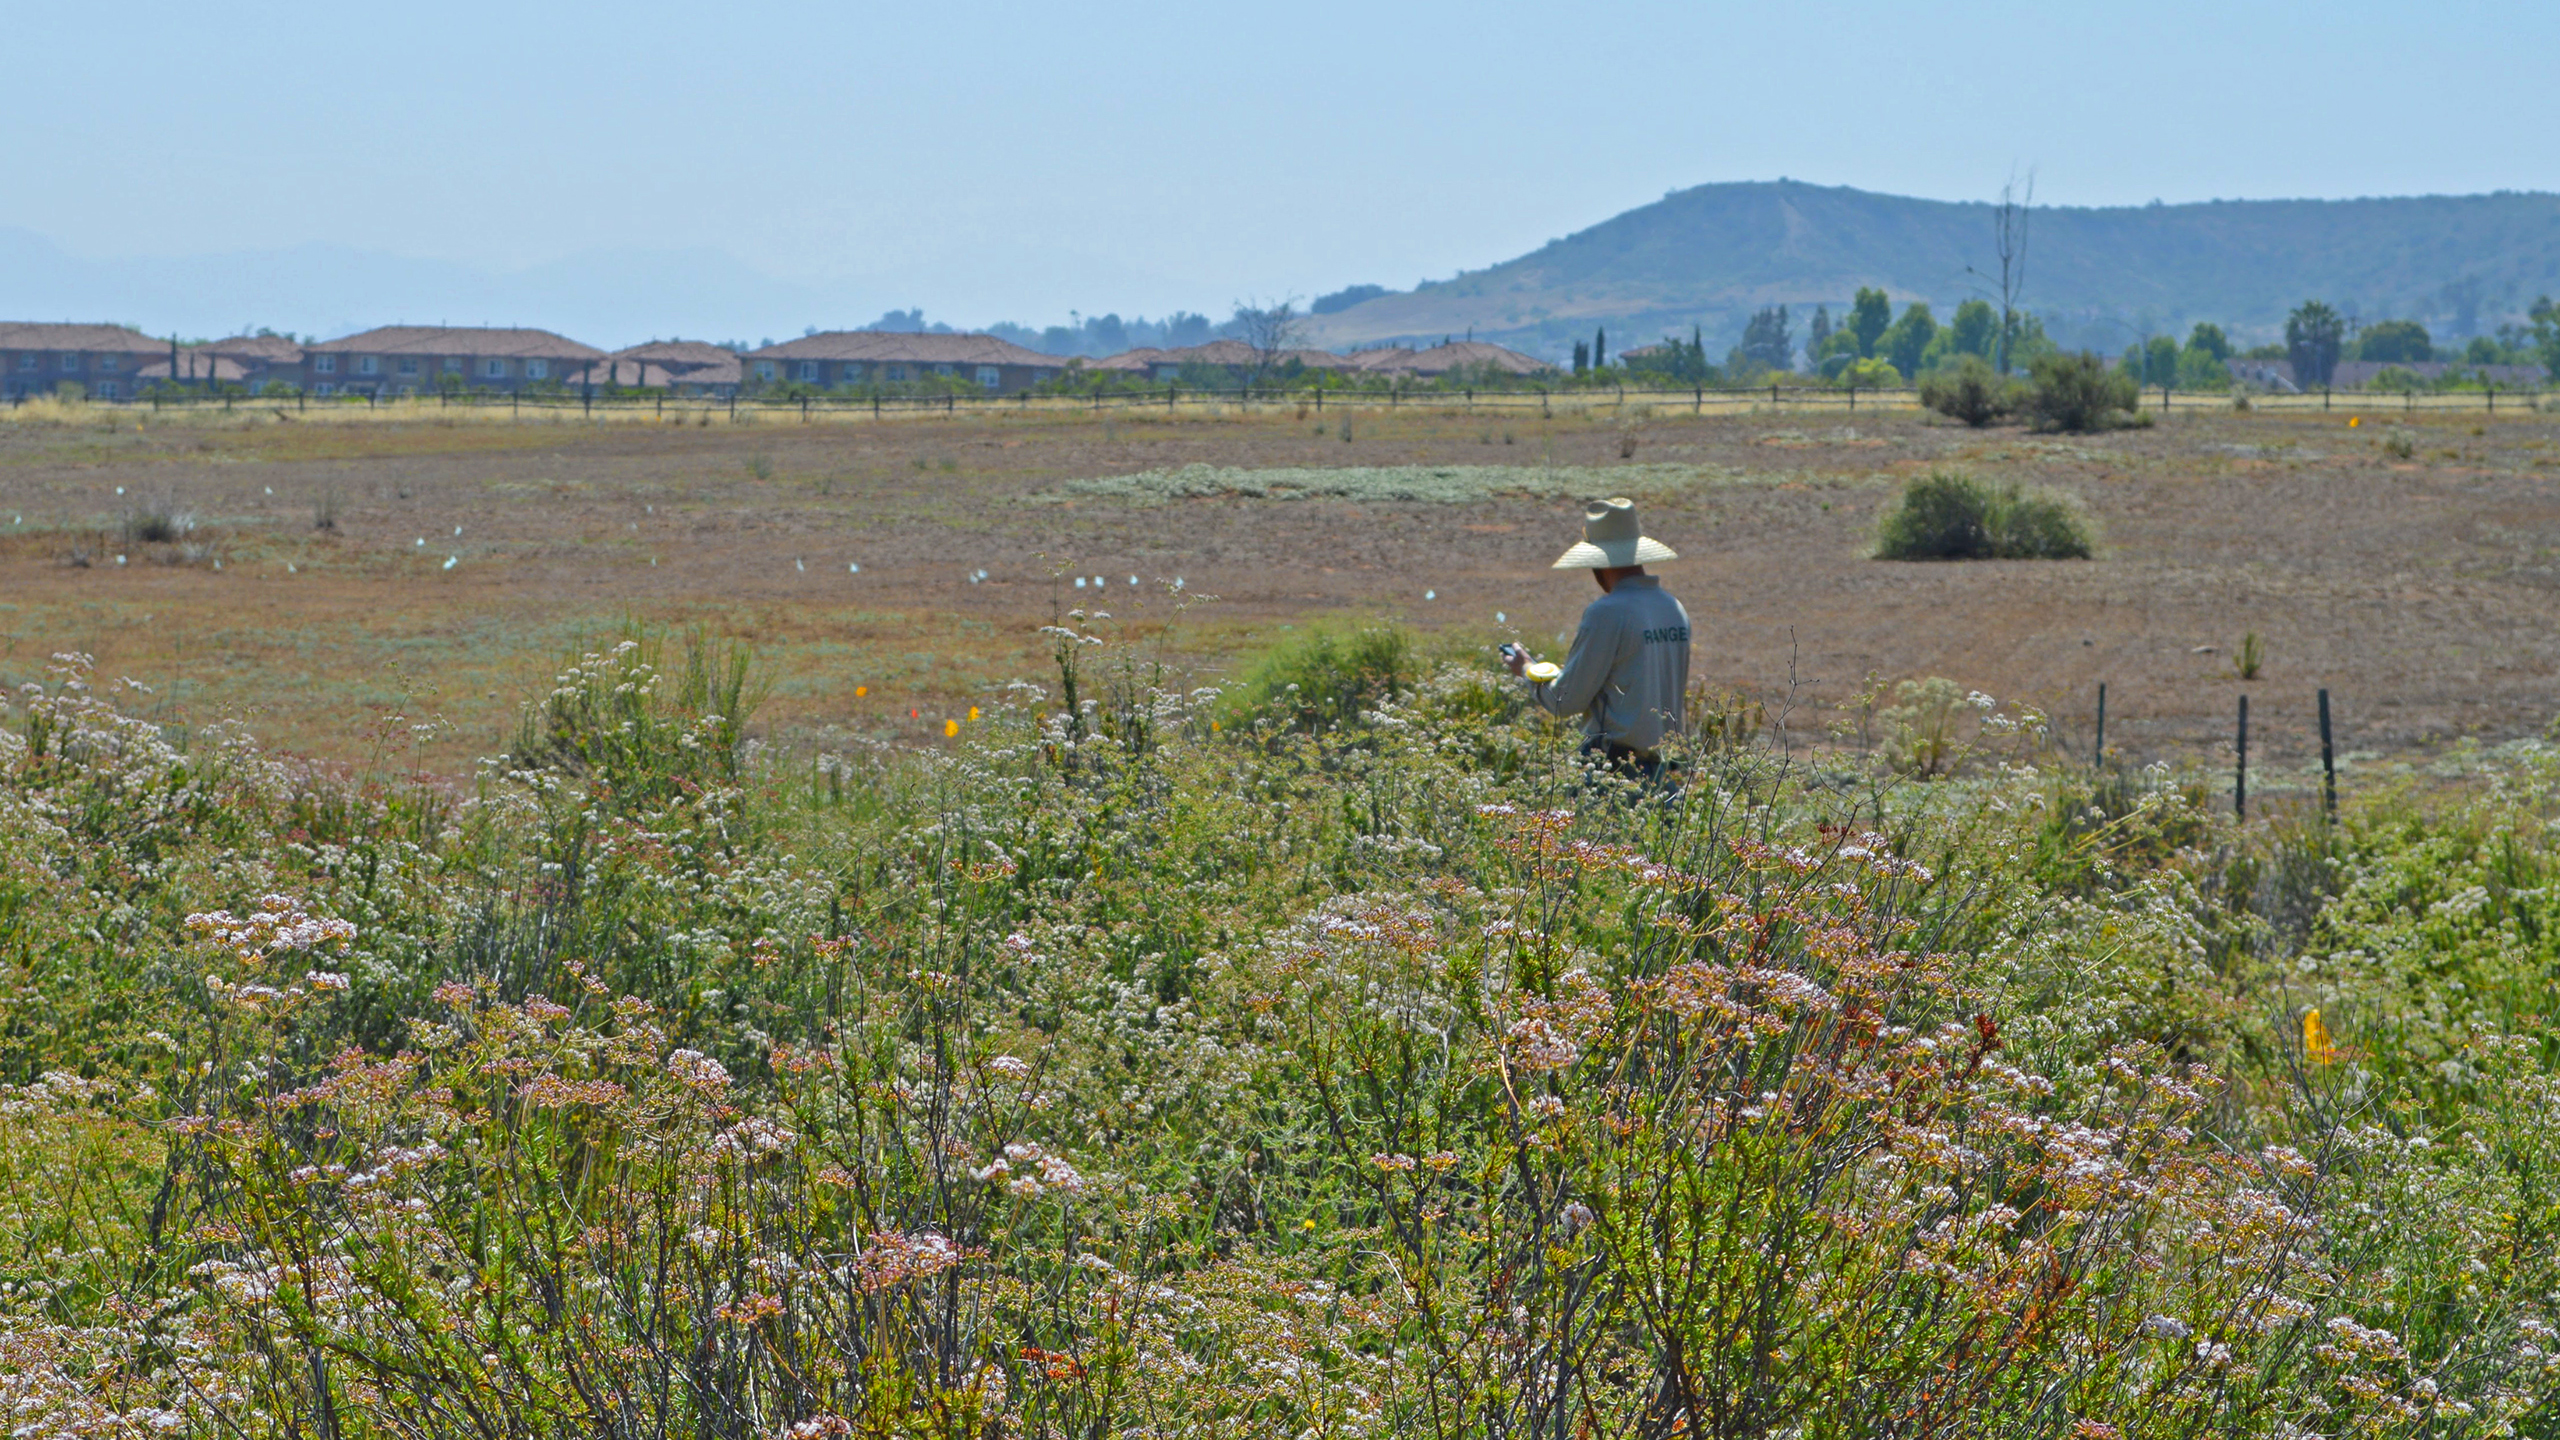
<point>1710,255</point>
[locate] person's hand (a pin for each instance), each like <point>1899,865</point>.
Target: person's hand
<point>1515,660</point>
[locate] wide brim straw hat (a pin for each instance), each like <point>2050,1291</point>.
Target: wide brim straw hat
<point>1612,540</point>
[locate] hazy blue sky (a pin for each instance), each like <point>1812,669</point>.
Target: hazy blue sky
<point>1014,161</point>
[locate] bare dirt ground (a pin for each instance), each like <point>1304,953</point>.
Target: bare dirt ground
<point>467,559</point>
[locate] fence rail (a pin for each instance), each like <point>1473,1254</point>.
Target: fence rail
<point>1176,399</point>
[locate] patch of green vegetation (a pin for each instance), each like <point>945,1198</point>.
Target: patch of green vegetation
<point>1949,516</point>
<point>1186,1062</point>
<point>1424,484</point>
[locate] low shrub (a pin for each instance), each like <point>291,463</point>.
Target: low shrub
<point>1970,391</point>
<point>2079,393</point>
<point>1324,677</point>
<point>1949,516</point>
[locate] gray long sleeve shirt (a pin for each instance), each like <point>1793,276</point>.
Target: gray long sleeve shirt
<point>1628,673</point>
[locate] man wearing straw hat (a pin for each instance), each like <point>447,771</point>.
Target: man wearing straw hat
<point>1628,671</point>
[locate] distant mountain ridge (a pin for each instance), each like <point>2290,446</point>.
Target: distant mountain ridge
<point>1710,255</point>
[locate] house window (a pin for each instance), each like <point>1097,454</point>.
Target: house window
<point>29,361</point>
<point>453,364</point>
<point>896,372</point>
<point>849,373</point>
<point>941,369</point>
<point>107,364</point>
<point>536,369</point>
<point>990,377</point>
<point>368,364</point>
<point>764,369</point>
<point>324,365</point>
<point>70,361</point>
<point>809,370</point>
<point>408,364</point>
<point>106,389</point>
<point>494,370</point>
<point>324,390</point>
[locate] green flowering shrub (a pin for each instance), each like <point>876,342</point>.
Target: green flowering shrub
<point>1119,1073</point>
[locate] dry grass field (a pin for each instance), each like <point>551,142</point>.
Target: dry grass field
<point>465,558</point>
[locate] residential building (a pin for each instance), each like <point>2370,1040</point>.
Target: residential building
<point>421,359</point>
<point>1235,362</point>
<point>198,369</point>
<point>1473,357</point>
<point>841,358</point>
<point>680,367</point>
<point>262,359</point>
<point>102,360</point>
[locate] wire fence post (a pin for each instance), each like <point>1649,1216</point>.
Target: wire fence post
<point>2098,748</point>
<point>2328,764</point>
<point>2240,771</point>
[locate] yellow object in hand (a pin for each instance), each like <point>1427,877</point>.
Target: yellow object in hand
<point>1543,670</point>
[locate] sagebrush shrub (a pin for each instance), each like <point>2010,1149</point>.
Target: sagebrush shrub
<point>2080,393</point>
<point>1970,391</point>
<point>1951,516</point>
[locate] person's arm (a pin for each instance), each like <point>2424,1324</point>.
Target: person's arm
<point>1586,666</point>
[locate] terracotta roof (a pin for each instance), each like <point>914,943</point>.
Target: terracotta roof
<point>460,340</point>
<point>39,335</point>
<point>1392,357</point>
<point>192,368</point>
<point>1137,360</point>
<point>273,349</point>
<point>1238,354</point>
<point>680,355</point>
<point>908,348</point>
<point>1475,354</point>
<point>649,375</point>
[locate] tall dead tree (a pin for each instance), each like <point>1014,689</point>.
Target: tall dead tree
<point>2009,231</point>
<point>2009,242</point>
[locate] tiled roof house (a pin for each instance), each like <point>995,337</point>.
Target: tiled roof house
<point>684,367</point>
<point>886,357</point>
<point>37,358</point>
<point>408,359</point>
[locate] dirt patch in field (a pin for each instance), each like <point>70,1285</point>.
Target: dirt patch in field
<point>461,561</point>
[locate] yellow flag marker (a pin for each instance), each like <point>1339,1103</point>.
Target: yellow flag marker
<point>2315,1040</point>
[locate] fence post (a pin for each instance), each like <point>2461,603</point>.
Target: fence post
<point>2328,764</point>
<point>1169,392</point>
<point>2324,398</point>
<point>1853,409</point>
<point>2493,399</point>
<point>1319,399</point>
<point>2164,399</point>
<point>1773,394</point>
<point>875,404</point>
<point>733,407</point>
<point>2098,749</point>
<point>1543,412</point>
<point>2240,772</point>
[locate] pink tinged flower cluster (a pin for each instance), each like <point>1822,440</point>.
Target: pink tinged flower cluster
<point>1028,1170</point>
<point>890,1259</point>
<point>698,1072</point>
<point>280,923</point>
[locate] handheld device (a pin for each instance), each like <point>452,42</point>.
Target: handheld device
<point>1509,650</point>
